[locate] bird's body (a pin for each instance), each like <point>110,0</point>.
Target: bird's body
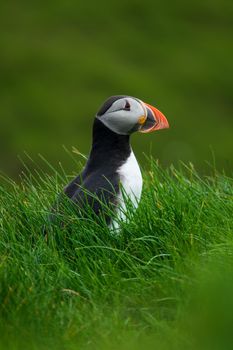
<point>112,172</point>
<point>112,175</point>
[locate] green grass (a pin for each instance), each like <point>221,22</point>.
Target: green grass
<point>164,282</point>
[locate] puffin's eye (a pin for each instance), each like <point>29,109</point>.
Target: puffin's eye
<point>127,106</point>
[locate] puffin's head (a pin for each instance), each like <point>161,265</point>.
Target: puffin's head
<point>125,114</point>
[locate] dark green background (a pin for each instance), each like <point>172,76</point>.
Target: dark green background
<point>60,59</point>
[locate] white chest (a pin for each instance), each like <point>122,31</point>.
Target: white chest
<point>131,181</point>
<point>131,189</point>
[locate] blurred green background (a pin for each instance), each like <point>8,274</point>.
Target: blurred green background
<point>61,59</point>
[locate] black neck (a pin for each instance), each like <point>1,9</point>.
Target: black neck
<point>108,148</point>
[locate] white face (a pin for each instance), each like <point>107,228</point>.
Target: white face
<point>124,115</point>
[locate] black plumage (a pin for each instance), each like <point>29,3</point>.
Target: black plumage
<point>98,183</point>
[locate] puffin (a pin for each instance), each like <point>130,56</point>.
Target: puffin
<point>112,176</point>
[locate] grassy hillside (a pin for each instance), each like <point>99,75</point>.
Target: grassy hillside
<point>165,281</point>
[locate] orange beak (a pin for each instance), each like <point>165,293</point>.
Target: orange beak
<point>155,120</point>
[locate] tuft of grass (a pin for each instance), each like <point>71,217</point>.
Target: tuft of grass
<point>164,281</point>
